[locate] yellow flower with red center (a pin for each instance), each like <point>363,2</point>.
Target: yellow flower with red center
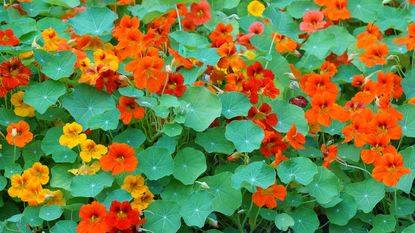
<point>72,135</point>
<point>52,41</point>
<point>106,58</point>
<point>143,201</point>
<point>134,185</point>
<point>91,150</point>
<point>20,108</point>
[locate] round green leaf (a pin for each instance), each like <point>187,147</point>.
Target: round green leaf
<point>60,177</point>
<point>325,186</point>
<point>283,221</point>
<point>131,92</point>
<point>189,164</point>
<point>409,229</point>
<point>155,162</point>
<point>31,216</point>
<point>90,185</point>
<point>41,96</point>
<point>305,219</point>
<point>49,213</point>
<point>342,212</point>
<point>254,174</point>
<point>192,40</point>
<point>289,114</point>
<point>177,192</point>
<point>384,223</point>
<point>234,104</point>
<point>163,217</point>
<point>245,135</point>
<point>94,21</point>
<point>172,129</point>
<point>366,193</point>
<point>407,124</point>
<point>406,181</point>
<point>299,169</point>
<point>118,195</point>
<point>107,120</point>
<point>64,3</point>
<point>197,208</point>
<point>226,199</point>
<point>131,136</point>
<point>56,65</point>
<point>86,102</point>
<point>64,226</point>
<point>213,141</point>
<point>202,108</point>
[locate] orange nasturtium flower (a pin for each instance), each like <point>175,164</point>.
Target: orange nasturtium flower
<point>18,184</point>
<point>134,185</point>
<point>337,10</point>
<point>19,134</point>
<point>54,198</point>
<point>52,41</point>
<point>143,200</point>
<point>199,13</point>
<point>284,44</point>
<point>269,195</point>
<point>230,57</point>
<point>92,218</point>
<point>130,109</point>
<point>148,73</point>
<point>72,135</point>
<point>329,153</point>
<point>371,36</point>
<point>375,55</point>
<point>120,158</point>
<point>324,108</point>
<point>7,38</point>
<point>39,173</point>
<point>294,138</point>
<point>256,8</point>
<point>409,40</point>
<point>312,21</point>
<point>90,150</point>
<point>390,169</point>
<point>34,194</point>
<point>20,108</point>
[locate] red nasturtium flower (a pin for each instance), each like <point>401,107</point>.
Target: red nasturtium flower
<point>409,40</point>
<point>268,197</point>
<point>390,169</point>
<point>375,55</point>
<point>329,153</point>
<point>13,74</point>
<point>122,217</point>
<point>109,79</point>
<point>19,134</point>
<point>148,73</point>
<point>92,218</point>
<point>294,138</point>
<point>371,36</point>
<point>312,21</point>
<point>130,109</point>
<point>199,13</point>
<point>174,85</point>
<point>120,158</point>
<point>7,38</point>
<point>336,10</point>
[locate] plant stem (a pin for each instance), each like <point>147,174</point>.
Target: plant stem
<point>247,215</point>
<point>270,48</point>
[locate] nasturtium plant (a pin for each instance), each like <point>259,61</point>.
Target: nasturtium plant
<point>207,116</point>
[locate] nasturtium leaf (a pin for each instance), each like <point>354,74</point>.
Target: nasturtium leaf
<point>131,136</point>
<point>50,143</point>
<point>168,143</point>
<point>268,214</point>
<point>41,96</point>
<point>234,104</point>
<point>283,221</point>
<point>208,56</point>
<point>189,164</point>
<point>155,162</point>
<point>325,186</point>
<point>213,141</point>
<point>118,195</point>
<point>407,123</point>
<point>384,223</point>
<point>289,114</point>
<point>31,216</point>
<point>172,129</point>
<point>7,117</point>
<point>404,206</point>
<point>176,191</point>
<point>49,213</point>
<point>12,169</point>
<point>226,199</point>
<point>131,92</point>
<point>245,135</point>
<point>90,185</point>
<point>255,174</point>
<point>148,10</point>
<point>95,21</point>
<point>197,208</point>
<point>354,226</point>
<point>299,169</point>
<point>192,40</point>
<point>3,183</point>
<point>406,181</point>
<point>409,229</point>
<point>107,120</point>
<point>305,220</point>
<point>35,8</point>
<point>64,226</point>
<point>261,42</point>
<point>366,193</point>
<point>60,176</point>
<point>64,3</point>
<point>282,23</point>
<point>202,108</point>
<point>364,10</point>
<point>408,84</point>
<point>32,153</point>
<point>85,102</point>
<point>56,65</point>
<point>298,8</point>
<point>68,156</point>
<point>341,213</point>
<point>163,217</point>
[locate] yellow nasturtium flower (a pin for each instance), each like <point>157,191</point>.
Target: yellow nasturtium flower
<point>143,201</point>
<point>54,198</point>
<point>18,184</point>
<point>249,54</point>
<point>134,185</point>
<point>256,8</point>
<point>39,173</point>
<point>34,194</point>
<point>86,169</point>
<point>20,108</point>
<point>91,150</point>
<point>106,58</point>
<point>72,135</point>
<point>52,41</point>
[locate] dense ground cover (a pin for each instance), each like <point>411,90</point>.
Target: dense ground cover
<point>217,116</point>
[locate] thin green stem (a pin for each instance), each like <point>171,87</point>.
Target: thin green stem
<point>270,48</point>
<point>247,214</point>
<point>253,227</point>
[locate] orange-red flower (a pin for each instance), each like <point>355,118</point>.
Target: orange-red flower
<point>221,34</point>
<point>19,134</point>
<point>409,40</point>
<point>148,73</point>
<point>122,217</point>
<point>379,143</point>
<point>230,57</point>
<point>324,108</point>
<point>279,157</point>
<point>199,13</point>
<point>7,38</point>
<point>120,158</point>
<point>375,55</point>
<point>272,143</point>
<point>13,74</point>
<point>92,218</point>
<point>312,21</point>
<point>337,10</point>
<point>284,44</point>
<point>362,124</point>
<point>130,109</point>
<point>317,83</point>
<point>371,36</point>
<point>126,24</point>
<point>329,153</point>
<point>269,196</point>
<point>295,139</point>
<point>263,116</point>
<point>174,85</point>
<point>390,169</point>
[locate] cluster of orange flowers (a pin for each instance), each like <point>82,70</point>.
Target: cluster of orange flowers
<point>375,52</point>
<point>28,187</point>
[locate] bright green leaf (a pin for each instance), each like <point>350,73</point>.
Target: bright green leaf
<point>289,114</point>
<point>94,21</point>
<point>163,217</point>
<point>49,213</point>
<point>305,220</point>
<point>366,193</point>
<point>245,135</point>
<point>325,186</point>
<point>234,104</point>
<point>90,185</point>
<point>283,221</point>
<point>197,208</point>
<point>341,213</point>
<point>56,65</point>
<point>213,141</point>
<point>254,174</point>
<point>41,96</point>
<point>155,162</point>
<point>299,169</point>
<point>189,164</point>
